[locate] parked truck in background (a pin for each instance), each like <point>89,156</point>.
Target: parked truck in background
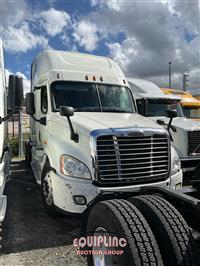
<point>93,155</point>
<point>185,133</point>
<point>190,105</point>
<point>10,101</point>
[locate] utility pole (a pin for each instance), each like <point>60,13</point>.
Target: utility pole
<point>185,81</point>
<point>170,75</point>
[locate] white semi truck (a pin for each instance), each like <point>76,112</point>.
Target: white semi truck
<point>185,133</point>
<point>95,156</point>
<point>10,102</point>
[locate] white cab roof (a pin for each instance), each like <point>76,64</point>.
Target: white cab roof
<point>149,90</point>
<point>73,66</point>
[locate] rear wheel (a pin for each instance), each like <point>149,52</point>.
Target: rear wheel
<point>122,219</point>
<point>173,235</point>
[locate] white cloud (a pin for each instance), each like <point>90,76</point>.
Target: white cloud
<point>112,4</point>
<point>123,54</point>
<point>20,26</point>
<point>13,13</point>
<point>26,82</point>
<point>21,39</point>
<point>154,34</point>
<point>85,33</point>
<point>54,21</point>
<point>65,38</point>
<point>21,75</point>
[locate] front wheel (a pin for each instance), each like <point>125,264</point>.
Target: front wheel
<point>47,194</point>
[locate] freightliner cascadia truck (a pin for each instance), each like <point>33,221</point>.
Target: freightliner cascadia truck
<point>185,133</point>
<point>94,156</point>
<point>10,101</point>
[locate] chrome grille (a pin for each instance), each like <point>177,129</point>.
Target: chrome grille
<point>132,160</point>
<point>193,142</point>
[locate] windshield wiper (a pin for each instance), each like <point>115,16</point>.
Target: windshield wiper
<point>114,110</point>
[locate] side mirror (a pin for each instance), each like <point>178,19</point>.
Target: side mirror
<point>30,104</point>
<point>15,92</point>
<point>69,111</point>
<point>171,113</point>
<point>66,111</point>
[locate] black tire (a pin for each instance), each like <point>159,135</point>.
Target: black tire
<point>121,218</point>
<point>173,235</point>
<point>49,205</point>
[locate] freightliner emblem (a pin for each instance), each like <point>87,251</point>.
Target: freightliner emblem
<point>136,134</point>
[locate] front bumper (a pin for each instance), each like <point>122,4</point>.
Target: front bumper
<point>66,188</point>
<point>176,180</point>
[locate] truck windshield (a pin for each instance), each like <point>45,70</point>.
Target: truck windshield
<point>88,97</point>
<point>159,108</point>
<point>191,112</point>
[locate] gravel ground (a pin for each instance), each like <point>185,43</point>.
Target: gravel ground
<point>30,236</point>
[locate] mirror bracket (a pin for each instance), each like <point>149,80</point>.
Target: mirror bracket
<point>5,118</point>
<point>74,136</point>
<point>171,114</point>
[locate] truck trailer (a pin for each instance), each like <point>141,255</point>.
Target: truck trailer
<point>94,156</point>
<point>190,105</point>
<point>11,99</point>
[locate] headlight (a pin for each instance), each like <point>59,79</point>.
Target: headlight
<point>175,162</point>
<point>70,166</point>
<point>176,166</point>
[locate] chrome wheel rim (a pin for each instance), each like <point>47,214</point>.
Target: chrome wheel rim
<point>47,189</point>
<point>102,260</point>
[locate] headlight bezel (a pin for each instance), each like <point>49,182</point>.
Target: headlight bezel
<point>86,175</point>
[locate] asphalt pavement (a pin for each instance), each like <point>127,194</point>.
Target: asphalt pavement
<point>30,236</point>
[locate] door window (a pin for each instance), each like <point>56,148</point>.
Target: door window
<point>44,100</point>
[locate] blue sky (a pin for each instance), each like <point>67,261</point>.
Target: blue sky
<point>141,36</point>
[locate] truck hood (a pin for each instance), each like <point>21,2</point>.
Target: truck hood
<point>87,122</point>
<point>180,122</point>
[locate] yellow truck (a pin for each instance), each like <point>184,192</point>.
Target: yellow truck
<point>191,106</point>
